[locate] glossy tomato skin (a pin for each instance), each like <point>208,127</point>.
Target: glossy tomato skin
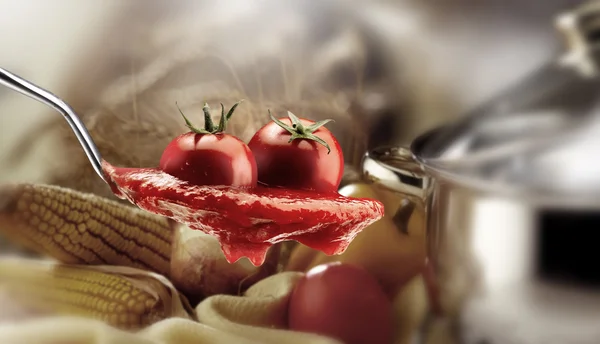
<point>341,301</point>
<point>210,159</point>
<point>300,164</point>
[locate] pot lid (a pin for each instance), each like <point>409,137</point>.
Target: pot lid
<point>541,137</point>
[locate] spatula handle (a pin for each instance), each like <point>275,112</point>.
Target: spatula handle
<point>23,86</point>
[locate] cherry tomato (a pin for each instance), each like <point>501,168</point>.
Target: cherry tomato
<point>210,157</point>
<point>298,154</point>
<point>394,253</point>
<point>341,301</point>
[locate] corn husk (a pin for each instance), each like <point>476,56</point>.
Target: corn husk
<point>123,297</point>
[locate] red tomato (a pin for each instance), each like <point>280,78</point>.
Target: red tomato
<point>210,157</point>
<point>342,301</point>
<point>298,154</point>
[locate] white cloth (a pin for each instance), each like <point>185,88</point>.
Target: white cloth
<point>258,317</point>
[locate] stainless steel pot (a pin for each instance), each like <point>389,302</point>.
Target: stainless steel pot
<point>486,181</point>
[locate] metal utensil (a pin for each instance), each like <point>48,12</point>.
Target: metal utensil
<point>25,87</point>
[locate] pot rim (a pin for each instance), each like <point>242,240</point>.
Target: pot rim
<point>543,197</point>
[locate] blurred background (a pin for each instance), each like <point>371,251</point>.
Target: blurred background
<point>386,71</point>
<point>398,67</point>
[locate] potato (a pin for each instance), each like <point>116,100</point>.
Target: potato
<point>199,268</point>
<point>394,254</point>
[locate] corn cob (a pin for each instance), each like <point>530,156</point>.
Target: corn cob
<point>79,228</point>
<point>126,298</point>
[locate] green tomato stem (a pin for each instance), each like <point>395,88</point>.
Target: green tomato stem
<point>208,123</point>
<point>209,126</point>
<point>299,131</point>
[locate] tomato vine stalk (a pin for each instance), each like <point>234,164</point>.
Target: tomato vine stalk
<point>299,131</point>
<point>209,126</point>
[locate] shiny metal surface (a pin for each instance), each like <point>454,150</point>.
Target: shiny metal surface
<point>498,128</point>
<point>448,213</point>
<point>580,28</point>
<point>481,243</point>
<point>550,108</point>
<point>536,142</point>
<point>485,181</point>
<point>561,174</point>
<point>395,168</point>
<point>25,87</point>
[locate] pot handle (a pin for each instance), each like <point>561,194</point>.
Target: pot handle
<point>579,28</point>
<point>396,169</point>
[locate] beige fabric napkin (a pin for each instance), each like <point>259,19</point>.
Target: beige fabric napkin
<point>257,317</point>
